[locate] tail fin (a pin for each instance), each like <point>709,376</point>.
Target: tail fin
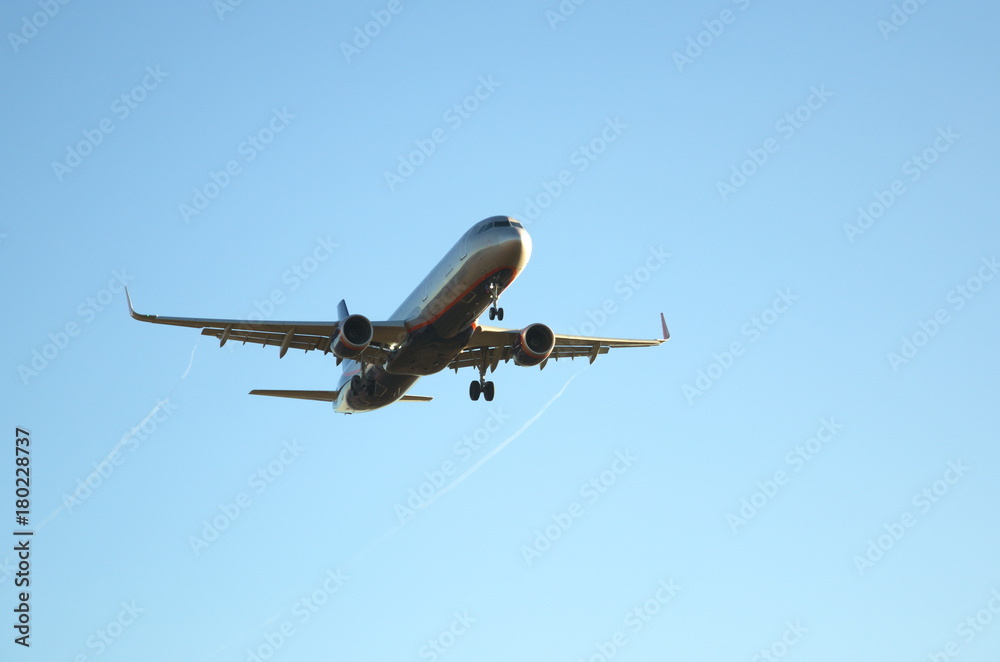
<point>342,310</point>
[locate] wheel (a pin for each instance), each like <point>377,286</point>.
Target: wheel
<point>499,313</point>
<point>356,383</point>
<point>488,391</point>
<point>474,390</point>
<point>493,312</point>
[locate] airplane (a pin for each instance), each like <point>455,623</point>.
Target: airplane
<point>435,328</point>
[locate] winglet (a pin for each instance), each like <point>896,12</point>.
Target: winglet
<point>131,310</point>
<point>666,331</point>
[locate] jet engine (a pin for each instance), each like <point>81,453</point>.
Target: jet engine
<point>353,335</point>
<point>533,345</point>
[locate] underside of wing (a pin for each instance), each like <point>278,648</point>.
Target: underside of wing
<point>490,345</point>
<point>306,336</point>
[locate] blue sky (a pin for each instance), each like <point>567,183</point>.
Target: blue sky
<point>806,471</point>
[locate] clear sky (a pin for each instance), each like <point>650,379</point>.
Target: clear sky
<point>806,471</point>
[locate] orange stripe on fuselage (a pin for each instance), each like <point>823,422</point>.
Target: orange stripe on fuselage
<point>459,297</point>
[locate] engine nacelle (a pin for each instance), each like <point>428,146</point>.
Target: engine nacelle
<point>354,334</point>
<point>533,345</point>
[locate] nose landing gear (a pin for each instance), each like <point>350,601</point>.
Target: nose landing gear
<point>495,311</point>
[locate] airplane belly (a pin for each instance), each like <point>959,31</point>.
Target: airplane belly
<point>376,388</point>
<point>426,352</point>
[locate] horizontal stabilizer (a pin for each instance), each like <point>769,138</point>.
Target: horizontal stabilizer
<point>322,396</point>
<point>327,396</point>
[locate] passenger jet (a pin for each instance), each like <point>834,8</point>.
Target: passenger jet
<point>435,328</point>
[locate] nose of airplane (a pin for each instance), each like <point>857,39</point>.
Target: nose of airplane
<point>516,243</point>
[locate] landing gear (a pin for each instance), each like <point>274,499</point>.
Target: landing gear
<point>495,311</point>
<point>482,387</point>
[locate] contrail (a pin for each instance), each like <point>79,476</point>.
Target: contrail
<point>107,458</point>
<point>499,448</point>
<point>125,437</point>
<point>389,533</point>
<point>190,362</point>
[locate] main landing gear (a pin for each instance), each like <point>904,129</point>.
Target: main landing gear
<point>495,311</point>
<point>482,386</point>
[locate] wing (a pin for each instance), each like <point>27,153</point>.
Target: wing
<point>306,336</point>
<point>326,396</point>
<point>493,345</point>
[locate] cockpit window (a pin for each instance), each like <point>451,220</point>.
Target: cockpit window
<point>505,223</point>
